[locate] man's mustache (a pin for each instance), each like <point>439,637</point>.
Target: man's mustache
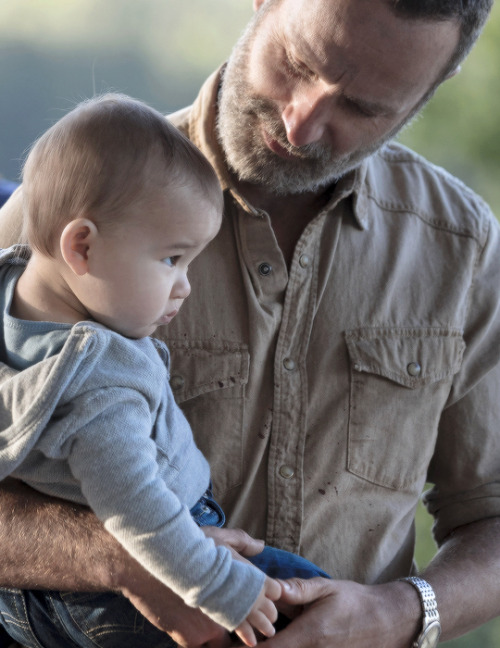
<point>264,111</point>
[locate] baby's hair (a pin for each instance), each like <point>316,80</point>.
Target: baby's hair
<point>99,158</point>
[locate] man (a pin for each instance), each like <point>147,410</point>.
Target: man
<point>346,349</point>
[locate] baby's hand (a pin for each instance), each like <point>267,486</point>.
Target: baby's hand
<point>262,615</point>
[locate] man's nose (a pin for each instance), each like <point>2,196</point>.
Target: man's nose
<point>306,117</point>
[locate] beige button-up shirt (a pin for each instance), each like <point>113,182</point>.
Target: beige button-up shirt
<point>326,394</point>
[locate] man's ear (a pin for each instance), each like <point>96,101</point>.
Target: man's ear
<point>75,242</point>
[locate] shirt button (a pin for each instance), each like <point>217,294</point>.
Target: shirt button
<point>414,369</point>
<point>286,472</point>
<point>305,260</point>
<point>177,381</point>
<point>265,269</point>
<point>289,364</point>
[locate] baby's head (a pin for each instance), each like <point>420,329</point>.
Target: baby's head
<point>124,202</point>
<point>106,154</point>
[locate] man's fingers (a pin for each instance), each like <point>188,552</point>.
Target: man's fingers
<point>299,591</point>
<point>290,637</point>
<point>236,539</point>
<point>243,543</point>
<point>196,638</point>
<point>223,641</point>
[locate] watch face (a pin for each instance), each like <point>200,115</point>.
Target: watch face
<point>431,636</point>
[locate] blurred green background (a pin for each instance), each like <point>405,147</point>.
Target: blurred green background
<point>54,53</point>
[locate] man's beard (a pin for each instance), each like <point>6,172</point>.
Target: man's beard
<point>242,118</point>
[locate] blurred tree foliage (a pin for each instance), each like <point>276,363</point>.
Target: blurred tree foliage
<point>56,52</point>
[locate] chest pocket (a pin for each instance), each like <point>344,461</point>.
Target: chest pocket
<point>208,381</point>
<point>400,381</point>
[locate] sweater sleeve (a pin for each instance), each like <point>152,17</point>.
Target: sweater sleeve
<point>114,459</point>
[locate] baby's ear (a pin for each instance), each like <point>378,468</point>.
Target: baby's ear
<point>75,242</point>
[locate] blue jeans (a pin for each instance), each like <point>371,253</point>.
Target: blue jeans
<point>46,619</point>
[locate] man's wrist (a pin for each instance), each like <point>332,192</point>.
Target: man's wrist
<point>430,630</point>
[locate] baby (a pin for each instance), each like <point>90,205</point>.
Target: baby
<point>117,204</point>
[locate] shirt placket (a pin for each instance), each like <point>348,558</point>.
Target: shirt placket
<point>286,452</point>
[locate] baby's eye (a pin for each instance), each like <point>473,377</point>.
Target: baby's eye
<point>171,261</point>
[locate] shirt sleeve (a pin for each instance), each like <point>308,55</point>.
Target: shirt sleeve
<point>465,470</point>
<point>114,459</point>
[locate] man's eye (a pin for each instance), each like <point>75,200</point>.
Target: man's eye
<point>358,109</point>
<point>297,69</point>
<point>170,261</point>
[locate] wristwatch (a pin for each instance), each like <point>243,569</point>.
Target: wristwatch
<point>431,626</point>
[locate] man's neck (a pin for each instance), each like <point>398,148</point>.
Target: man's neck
<point>289,214</point>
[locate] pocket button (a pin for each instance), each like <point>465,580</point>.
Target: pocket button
<point>414,369</point>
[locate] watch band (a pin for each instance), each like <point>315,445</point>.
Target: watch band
<point>431,626</point>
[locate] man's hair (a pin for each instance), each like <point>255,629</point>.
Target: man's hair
<point>470,15</point>
<point>98,159</point>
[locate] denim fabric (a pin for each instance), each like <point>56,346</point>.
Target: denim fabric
<point>283,564</point>
<point>206,511</point>
<point>39,619</point>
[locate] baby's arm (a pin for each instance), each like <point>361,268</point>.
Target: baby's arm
<point>262,615</point>
<point>124,489</point>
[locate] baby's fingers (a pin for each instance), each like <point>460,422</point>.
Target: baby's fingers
<point>263,623</point>
<point>272,589</point>
<point>246,634</point>
<point>268,610</point>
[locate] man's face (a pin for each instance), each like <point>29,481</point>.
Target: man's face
<point>315,86</point>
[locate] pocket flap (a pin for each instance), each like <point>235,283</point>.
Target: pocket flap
<point>412,357</point>
<point>201,367</point>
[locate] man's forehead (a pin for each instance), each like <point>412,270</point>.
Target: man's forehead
<point>365,39</point>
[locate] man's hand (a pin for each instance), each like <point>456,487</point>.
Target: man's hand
<point>237,540</point>
<point>335,614</point>
<point>187,626</point>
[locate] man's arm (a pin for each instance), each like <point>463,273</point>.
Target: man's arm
<point>48,543</point>
<point>465,575</point>
<point>11,220</point>
<point>52,544</point>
